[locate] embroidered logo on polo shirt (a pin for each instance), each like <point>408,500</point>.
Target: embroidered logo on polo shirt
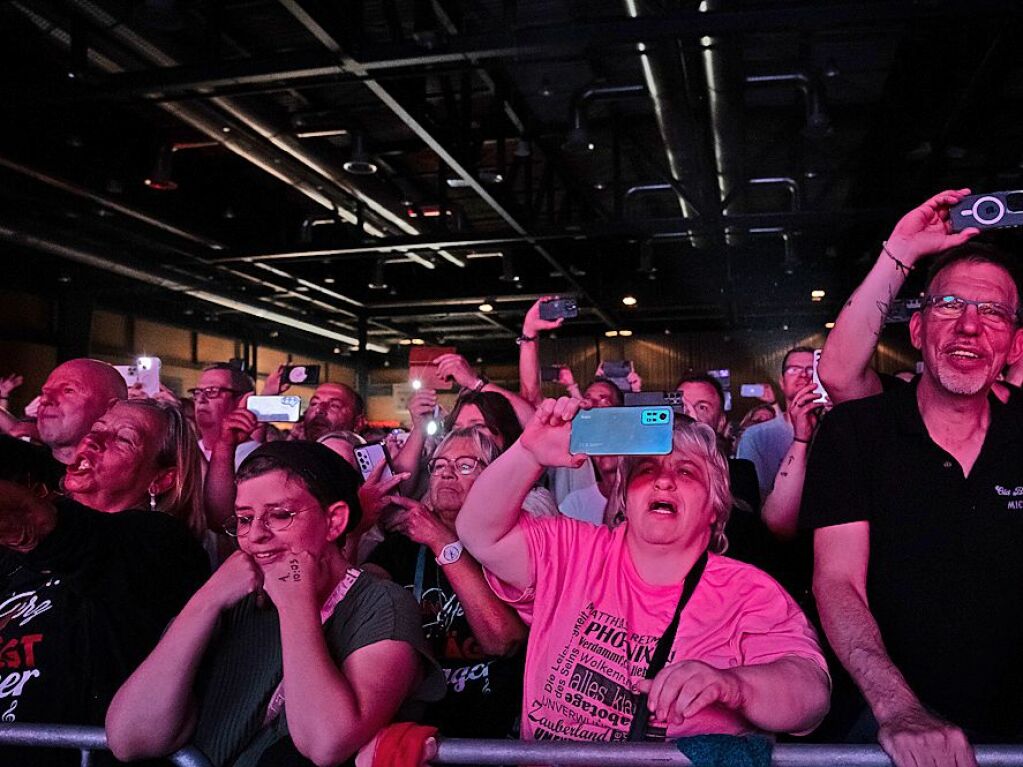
<point>1016,492</point>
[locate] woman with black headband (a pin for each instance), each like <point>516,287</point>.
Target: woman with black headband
<point>288,654</point>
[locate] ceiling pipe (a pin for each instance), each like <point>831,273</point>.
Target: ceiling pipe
<point>676,121</point>
<point>316,29</point>
<point>96,261</point>
<point>578,135</point>
<point>106,202</point>
<point>818,124</point>
<point>293,147</point>
<point>721,66</point>
<point>789,183</point>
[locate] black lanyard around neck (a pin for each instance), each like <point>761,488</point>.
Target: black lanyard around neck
<point>641,717</point>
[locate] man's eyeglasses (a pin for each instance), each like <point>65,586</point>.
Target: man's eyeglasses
<point>795,370</point>
<point>210,392</point>
<point>463,464</point>
<point>952,307</point>
<point>239,525</point>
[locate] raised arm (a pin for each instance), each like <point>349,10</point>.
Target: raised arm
<point>218,492</point>
<point>421,407</point>
<point>488,521</point>
<point>781,507</point>
<point>845,360</point>
<point>154,712</point>
<point>529,352</point>
<point>909,734</point>
<point>332,711</point>
<point>458,369</point>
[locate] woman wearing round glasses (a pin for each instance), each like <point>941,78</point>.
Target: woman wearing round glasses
<point>301,655</point>
<point>475,636</point>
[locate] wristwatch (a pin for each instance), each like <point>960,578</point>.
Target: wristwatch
<point>450,553</point>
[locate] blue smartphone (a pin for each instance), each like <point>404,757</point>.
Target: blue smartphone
<point>622,431</point>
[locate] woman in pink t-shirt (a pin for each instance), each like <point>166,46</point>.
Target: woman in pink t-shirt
<point>743,657</point>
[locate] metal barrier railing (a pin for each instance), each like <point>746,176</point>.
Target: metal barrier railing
<point>508,752</point>
<point>87,740</point>
<point>565,754</point>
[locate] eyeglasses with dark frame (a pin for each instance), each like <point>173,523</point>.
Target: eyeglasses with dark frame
<point>210,392</point>
<point>952,307</point>
<point>464,465</point>
<point>277,521</point>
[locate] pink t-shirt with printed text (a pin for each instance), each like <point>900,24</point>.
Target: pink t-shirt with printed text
<point>595,622</point>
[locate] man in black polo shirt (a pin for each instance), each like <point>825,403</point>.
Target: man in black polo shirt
<point>925,485</point>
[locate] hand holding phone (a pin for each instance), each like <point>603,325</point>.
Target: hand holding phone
<point>558,308</point>
<point>546,436</point>
<point>276,409</point>
<point>301,375</point>
<point>623,431</point>
<point>422,364</point>
<point>753,391</point>
<point>822,395</point>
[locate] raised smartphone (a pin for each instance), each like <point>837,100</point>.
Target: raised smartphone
<point>822,395</point>
<point>622,431</point>
<point>752,390</point>
<point>369,456</point>
<point>301,375</point>
<point>556,308</point>
<point>422,367</point>
<point>145,371</point>
<point>280,409</point>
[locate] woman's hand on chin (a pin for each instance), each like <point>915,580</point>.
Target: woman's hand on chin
<point>234,580</point>
<point>290,579</point>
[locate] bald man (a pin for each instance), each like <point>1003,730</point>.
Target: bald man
<point>334,407</point>
<point>75,396</point>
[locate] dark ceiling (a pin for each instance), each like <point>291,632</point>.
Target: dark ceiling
<point>715,160</point>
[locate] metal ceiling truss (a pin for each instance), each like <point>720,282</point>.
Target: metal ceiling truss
<point>310,21</point>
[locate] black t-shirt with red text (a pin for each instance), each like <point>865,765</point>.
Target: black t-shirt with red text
<point>82,610</point>
<point>484,694</point>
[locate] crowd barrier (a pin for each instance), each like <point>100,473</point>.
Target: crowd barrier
<point>87,740</point>
<point>510,752</point>
<point>563,754</point>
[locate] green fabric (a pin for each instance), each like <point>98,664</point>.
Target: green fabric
<point>727,750</point>
<point>243,666</point>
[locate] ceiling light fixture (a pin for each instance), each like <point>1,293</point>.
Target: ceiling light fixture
<point>611,333</point>
<point>486,307</point>
<point>817,295</point>
<point>161,178</point>
<point>625,333</point>
<point>829,325</point>
<point>378,282</point>
<point>360,163</point>
<point>629,300</point>
<point>418,342</point>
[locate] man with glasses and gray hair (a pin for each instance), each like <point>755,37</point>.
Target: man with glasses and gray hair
<point>916,500</point>
<point>219,392</point>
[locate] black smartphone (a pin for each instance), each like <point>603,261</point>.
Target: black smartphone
<point>556,308</point>
<point>550,373</point>
<point>990,210</point>
<point>301,375</point>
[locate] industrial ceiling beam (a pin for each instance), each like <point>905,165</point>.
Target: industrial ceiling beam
<point>293,69</point>
<point>320,33</point>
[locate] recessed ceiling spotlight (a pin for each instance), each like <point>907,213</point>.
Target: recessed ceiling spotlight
<point>328,280</point>
<point>418,342</point>
<point>405,342</point>
<point>611,333</point>
<point>625,333</point>
<point>817,295</point>
<point>486,307</point>
<point>629,300</point>
<point>829,325</point>
<point>337,350</point>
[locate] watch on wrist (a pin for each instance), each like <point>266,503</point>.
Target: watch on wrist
<point>524,339</point>
<point>481,383</point>
<point>450,553</point>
